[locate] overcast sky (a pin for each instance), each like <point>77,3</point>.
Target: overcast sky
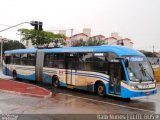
<point>138,20</point>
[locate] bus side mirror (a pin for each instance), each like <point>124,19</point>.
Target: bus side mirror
<point>126,63</point>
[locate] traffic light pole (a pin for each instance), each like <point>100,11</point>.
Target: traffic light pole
<point>13,26</point>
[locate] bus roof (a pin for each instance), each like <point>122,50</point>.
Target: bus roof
<point>119,50</point>
<point>32,50</point>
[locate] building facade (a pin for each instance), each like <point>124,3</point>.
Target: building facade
<point>80,36</point>
<point>115,39</point>
<point>111,41</point>
<point>87,31</point>
<point>97,37</point>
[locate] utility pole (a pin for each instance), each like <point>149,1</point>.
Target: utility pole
<point>71,36</point>
<point>1,49</point>
<point>153,53</point>
<point>20,39</point>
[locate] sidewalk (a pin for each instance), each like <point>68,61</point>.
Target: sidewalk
<point>11,86</point>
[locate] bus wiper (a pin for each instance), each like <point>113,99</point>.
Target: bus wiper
<point>149,75</point>
<point>142,69</point>
<point>145,72</point>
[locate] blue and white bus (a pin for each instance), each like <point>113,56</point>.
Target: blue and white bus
<point>105,70</point>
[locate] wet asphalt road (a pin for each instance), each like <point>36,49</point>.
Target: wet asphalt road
<point>67,101</point>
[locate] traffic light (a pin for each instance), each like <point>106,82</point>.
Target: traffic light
<point>40,26</point>
<point>37,25</point>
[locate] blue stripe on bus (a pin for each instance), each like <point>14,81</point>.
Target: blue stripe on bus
<point>89,75</point>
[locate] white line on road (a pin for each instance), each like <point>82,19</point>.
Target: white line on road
<point>110,103</point>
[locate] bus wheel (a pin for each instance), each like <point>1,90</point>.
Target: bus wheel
<point>101,91</point>
<point>55,82</point>
<point>127,99</point>
<point>14,75</point>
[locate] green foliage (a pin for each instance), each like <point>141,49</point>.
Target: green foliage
<point>89,42</point>
<point>11,45</point>
<point>79,43</point>
<point>95,42</point>
<point>149,54</point>
<point>42,38</point>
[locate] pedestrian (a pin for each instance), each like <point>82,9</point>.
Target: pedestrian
<point>158,61</point>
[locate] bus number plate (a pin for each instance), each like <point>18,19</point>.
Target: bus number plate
<point>143,86</point>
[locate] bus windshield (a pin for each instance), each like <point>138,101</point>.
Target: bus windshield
<point>139,69</point>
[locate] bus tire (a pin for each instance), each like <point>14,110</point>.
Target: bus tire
<point>127,99</point>
<point>55,81</point>
<point>101,90</point>
<point>14,75</point>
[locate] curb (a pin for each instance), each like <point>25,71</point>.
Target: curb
<point>28,94</point>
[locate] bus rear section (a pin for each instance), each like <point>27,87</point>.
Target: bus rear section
<point>20,64</point>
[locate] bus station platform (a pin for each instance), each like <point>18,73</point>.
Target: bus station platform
<point>16,87</point>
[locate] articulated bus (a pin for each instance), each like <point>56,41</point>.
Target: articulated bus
<point>106,70</point>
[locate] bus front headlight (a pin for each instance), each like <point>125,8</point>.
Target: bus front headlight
<point>132,87</point>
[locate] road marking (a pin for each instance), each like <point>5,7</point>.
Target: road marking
<point>109,103</point>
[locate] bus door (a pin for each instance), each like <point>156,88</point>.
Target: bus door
<point>70,68</point>
<point>115,72</point>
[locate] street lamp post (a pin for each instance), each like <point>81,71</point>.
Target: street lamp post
<point>1,48</point>
<point>19,38</point>
<point>71,37</point>
<point>2,42</point>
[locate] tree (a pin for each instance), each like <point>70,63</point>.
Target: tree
<point>41,38</point>
<point>79,43</point>
<point>90,42</point>
<point>59,40</point>
<point>95,42</point>
<point>148,53</point>
<point>11,45</point>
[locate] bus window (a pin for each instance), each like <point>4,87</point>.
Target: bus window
<point>59,60</point>
<point>71,60</point>
<point>7,59</point>
<point>100,64</point>
<point>31,57</point>
<point>85,61</point>
<point>24,59</point>
<point>111,56</point>
<point>16,59</point>
<point>48,60</point>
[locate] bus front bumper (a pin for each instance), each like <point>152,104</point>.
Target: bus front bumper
<point>126,93</point>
